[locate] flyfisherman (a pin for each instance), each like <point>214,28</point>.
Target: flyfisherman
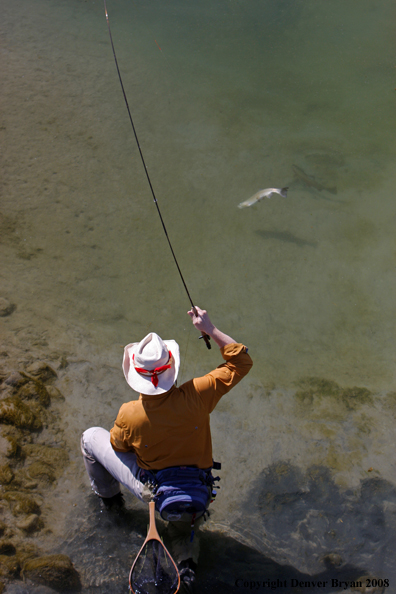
<point>166,428</point>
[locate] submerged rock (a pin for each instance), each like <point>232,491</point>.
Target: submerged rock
<point>9,566</point>
<point>42,370</point>
<point>32,523</point>
<point>42,471</point>
<point>16,379</point>
<point>35,390</point>
<point>15,412</point>
<point>21,503</point>
<point>6,475</point>
<point>26,465</point>
<point>315,389</point>
<point>57,458</point>
<point>56,571</point>
<point>5,446</point>
<point>63,363</point>
<point>367,584</point>
<point>7,548</point>
<point>354,397</point>
<point>6,308</point>
<point>332,560</point>
<point>54,393</point>
<point>9,446</point>
<point>26,483</point>
<point>18,587</point>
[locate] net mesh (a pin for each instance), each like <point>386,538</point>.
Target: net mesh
<point>154,572</point>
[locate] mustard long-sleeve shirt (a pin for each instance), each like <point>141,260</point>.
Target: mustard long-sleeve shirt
<point>173,429</point>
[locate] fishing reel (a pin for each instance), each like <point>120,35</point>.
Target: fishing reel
<point>206,338</point>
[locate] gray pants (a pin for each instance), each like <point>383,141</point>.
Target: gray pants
<point>107,468</point>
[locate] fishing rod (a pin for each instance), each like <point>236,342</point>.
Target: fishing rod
<point>205,336</point>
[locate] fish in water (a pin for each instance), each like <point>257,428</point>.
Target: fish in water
<point>311,181</point>
<point>261,194</point>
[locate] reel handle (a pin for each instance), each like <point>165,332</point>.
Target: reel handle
<point>206,338</point>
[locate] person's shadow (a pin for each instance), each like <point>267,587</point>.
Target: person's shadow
<point>305,541</point>
<point>326,533</point>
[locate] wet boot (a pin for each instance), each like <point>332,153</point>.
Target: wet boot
<point>187,569</point>
<point>115,503</point>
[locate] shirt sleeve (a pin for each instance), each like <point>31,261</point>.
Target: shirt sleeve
<point>212,386</point>
<point>120,435</point>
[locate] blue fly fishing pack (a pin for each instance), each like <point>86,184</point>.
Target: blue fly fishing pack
<point>181,493</point>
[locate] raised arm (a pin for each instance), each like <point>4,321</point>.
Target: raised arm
<point>203,324</point>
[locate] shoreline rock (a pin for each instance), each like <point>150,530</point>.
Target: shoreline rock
<point>55,571</point>
<point>30,466</point>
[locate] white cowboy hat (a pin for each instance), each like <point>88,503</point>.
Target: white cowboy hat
<point>151,365</point>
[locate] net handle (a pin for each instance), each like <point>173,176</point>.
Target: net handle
<point>152,531</point>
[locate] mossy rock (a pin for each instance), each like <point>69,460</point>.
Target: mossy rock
<point>3,528</point>
<point>7,548</point>
<point>312,388</point>
<point>35,390</point>
<point>317,388</point>
<point>26,551</point>
<point>55,571</point>
<point>63,363</point>
<point>9,446</point>
<point>55,457</point>
<point>2,586</point>
<point>6,475</point>
<point>42,370</point>
<point>6,308</point>
<point>15,449</point>
<point>27,484</point>
<point>21,503</point>
<point>31,523</point>
<point>42,472</point>
<point>306,397</point>
<point>390,401</point>
<point>354,397</point>
<point>16,379</point>
<point>54,393</point>
<point>15,412</point>
<point>5,446</point>
<point>9,566</point>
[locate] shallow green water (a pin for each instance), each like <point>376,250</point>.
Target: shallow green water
<point>227,97</point>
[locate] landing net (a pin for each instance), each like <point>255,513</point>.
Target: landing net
<point>154,571</point>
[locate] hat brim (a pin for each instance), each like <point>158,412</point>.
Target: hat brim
<point>143,384</point>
